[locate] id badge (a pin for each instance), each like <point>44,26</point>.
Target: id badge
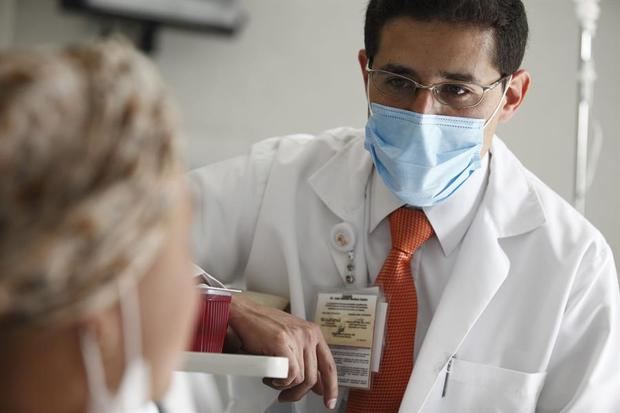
<point>347,320</point>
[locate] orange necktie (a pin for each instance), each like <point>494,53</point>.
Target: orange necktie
<point>409,229</point>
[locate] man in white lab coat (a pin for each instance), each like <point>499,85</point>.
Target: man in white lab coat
<point>518,307</point>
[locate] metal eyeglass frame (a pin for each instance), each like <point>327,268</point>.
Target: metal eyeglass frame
<point>434,86</point>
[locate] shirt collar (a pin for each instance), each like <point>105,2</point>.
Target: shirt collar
<point>450,219</point>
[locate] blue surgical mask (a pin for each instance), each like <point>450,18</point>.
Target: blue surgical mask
<point>423,159</point>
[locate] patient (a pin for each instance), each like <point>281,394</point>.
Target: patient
<point>96,293</point>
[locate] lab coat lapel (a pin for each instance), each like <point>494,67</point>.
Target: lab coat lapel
<point>480,270</point>
<point>341,182</point>
<point>341,185</point>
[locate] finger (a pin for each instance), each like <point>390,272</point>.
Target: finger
<point>232,343</point>
<point>318,387</point>
<point>328,374</point>
<point>289,350</point>
<point>274,383</point>
<point>310,378</point>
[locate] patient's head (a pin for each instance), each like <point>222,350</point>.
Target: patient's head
<point>94,219</point>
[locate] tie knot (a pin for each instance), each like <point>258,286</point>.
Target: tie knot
<point>409,229</point>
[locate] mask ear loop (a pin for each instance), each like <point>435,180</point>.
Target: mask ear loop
<point>134,390</point>
<point>499,104</point>
<point>368,91</point>
<point>100,397</point>
<point>130,313</point>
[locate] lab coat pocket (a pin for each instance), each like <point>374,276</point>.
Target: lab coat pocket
<point>482,388</point>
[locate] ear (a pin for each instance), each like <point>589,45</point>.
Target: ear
<point>362,58</point>
<point>515,94</point>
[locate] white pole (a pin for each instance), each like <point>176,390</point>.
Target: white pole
<point>587,12</point>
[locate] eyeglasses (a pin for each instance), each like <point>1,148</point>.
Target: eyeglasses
<point>402,90</point>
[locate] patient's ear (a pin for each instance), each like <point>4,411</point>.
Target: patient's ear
<point>515,94</point>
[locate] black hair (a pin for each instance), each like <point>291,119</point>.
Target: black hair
<point>506,18</point>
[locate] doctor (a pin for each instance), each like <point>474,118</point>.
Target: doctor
<point>514,304</point>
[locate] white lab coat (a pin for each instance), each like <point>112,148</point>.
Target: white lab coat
<point>531,311</point>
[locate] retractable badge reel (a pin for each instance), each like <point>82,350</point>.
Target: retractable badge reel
<point>342,238</point>
<point>346,315</point>
<point>352,320</point>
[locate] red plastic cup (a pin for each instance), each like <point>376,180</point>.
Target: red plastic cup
<point>212,322</point>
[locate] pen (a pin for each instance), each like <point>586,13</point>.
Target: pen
<point>445,382</point>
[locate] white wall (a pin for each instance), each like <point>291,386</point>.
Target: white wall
<point>7,12</point>
<point>294,69</point>
<point>543,134</point>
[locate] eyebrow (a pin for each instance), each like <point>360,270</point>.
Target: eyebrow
<point>463,77</point>
<point>407,71</point>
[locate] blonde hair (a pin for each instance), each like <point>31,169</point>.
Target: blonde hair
<point>88,153</point>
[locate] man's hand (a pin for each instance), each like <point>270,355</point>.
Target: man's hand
<point>266,331</point>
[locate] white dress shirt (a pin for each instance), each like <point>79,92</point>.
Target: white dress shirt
<point>432,263</point>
